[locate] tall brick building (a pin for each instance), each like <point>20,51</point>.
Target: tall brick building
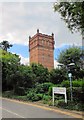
<point>41,48</point>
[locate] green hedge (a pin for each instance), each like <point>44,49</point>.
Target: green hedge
<point>77,92</point>
<point>70,105</point>
<point>75,83</point>
<point>43,88</point>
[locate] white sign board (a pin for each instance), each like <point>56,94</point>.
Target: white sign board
<point>59,90</point>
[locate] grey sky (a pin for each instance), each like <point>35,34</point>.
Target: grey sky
<point>21,19</point>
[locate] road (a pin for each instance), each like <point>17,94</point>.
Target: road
<point>16,109</point>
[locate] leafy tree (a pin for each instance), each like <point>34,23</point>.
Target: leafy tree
<point>10,64</point>
<point>28,76</point>
<point>73,55</point>
<point>5,45</point>
<point>72,13</point>
<point>57,76</point>
<point>70,55</point>
<point>42,74</point>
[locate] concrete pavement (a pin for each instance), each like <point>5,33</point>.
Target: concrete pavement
<point>17,109</point>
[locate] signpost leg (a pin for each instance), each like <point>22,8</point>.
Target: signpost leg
<point>65,98</point>
<point>53,96</point>
<point>71,89</point>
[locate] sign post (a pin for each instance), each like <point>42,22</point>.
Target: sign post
<point>59,90</point>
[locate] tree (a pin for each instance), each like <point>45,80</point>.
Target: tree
<point>42,74</point>
<point>28,76</point>
<point>5,45</point>
<point>72,13</point>
<point>73,55</point>
<point>57,76</point>
<point>10,63</point>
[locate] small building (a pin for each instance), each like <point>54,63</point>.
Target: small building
<point>41,48</point>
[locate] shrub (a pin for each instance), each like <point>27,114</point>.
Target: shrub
<point>32,97</point>
<point>40,96</point>
<point>75,105</point>
<point>78,83</point>
<point>50,90</point>
<point>57,75</point>
<point>75,83</point>
<point>77,93</point>
<point>19,91</point>
<point>46,97</point>
<point>43,88</point>
<point>65,83</point>
<point>8,94</point>
<point>60,103</point>
<point>50,103</point>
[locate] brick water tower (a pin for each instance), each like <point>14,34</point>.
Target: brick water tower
<point>41,48</point>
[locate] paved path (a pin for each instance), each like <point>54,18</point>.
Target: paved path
<point>16,109</point>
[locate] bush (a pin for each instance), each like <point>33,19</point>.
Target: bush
<point>75,105</point>
<point>60,103</point>
<point>75,83</point>
<point>46,97</point>
<point>71,105</point>
<point>32,97</point>
<point>78,83</point>
<point>43,88</point>
<point>50,90</point>
<point>77,92</point>
<point>7,94</point>
<point>40,96</point>
<point>19,91</point>
<point>57,75</point>
<point>65,83</point>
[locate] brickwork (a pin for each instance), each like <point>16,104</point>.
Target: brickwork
<point>41,49</point>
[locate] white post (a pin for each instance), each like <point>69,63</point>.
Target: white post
<point>65,98</point>
<point>53,95</point>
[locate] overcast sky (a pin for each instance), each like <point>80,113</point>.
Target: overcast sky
<point>21,19</point>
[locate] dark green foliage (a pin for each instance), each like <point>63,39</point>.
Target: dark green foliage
<point>35,82</point>
<point>42,74</point>
<point>70,105</point>
<point>46,97</point>
<point>10,63</point>
<point>43,88</point>
<point>19,91</point>
<point>78,94</point>
<point>75,83</point>
<point>60,102</point>
<point>5,45</point>
<point>72,13</point>
<point>33,97</point>
<point>40,96</point>
<point>8,94</point>
<point>78,89</point>
<point>73,55</point>
<point>65,83</point>
<point>57,76</point>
